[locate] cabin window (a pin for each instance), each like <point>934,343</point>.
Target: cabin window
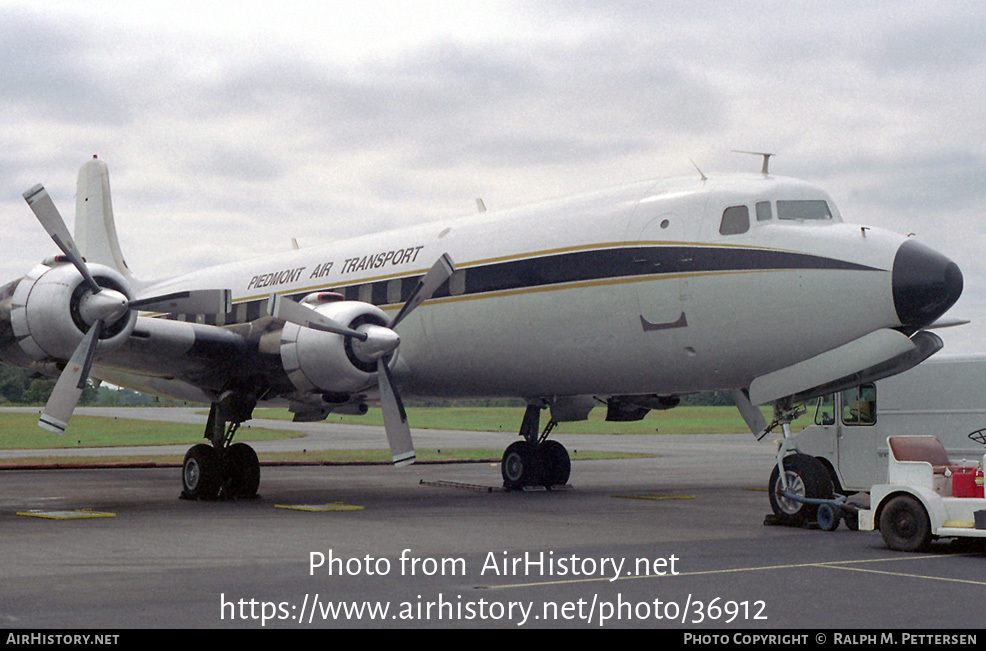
<point>764,213</point>
<point>859,405</point>
<point>804,209</point>
<point>394,291</point>
<point>735,220</point>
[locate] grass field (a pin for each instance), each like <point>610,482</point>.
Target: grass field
<point>20,431</point>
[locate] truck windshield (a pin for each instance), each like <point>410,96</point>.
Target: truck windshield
<point>859,405</point>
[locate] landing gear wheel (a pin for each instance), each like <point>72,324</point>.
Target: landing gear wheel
<point>555,462</point>
<point>806,477</point>
<point>828,517</point>
<point>904,524</point>
<point>200,473</point>
<point>517,465</point>
<point>242,471</point>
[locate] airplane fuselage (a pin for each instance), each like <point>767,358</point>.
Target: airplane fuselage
<point>652,288</point>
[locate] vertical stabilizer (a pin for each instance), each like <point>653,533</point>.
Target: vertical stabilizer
<point>95,230</point>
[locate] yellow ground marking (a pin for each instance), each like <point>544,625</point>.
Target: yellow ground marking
<point>66,515</point>
<point>910,576</point>
<point>657,496</point>
<point>827,564</point>
<point>319,508</point>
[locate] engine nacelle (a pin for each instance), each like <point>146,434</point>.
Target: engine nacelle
<point>321,361</point>
<point>48,314</point>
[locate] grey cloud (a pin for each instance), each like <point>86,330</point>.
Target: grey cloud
<point>454,103</point>
<point>937,44</point>
<point>47,66</point>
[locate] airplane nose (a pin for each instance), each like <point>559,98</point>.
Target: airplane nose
<point>925,284</point>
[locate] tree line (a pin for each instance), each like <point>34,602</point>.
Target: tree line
<point>19,387</point>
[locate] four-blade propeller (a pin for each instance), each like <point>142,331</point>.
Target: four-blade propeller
<point>100,307</point>
<point>376,343</point>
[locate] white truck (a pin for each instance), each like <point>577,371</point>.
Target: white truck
<point>944,397</point>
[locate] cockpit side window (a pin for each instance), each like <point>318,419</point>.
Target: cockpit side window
<point>804,209</point>
<point>764,213</point>
<point>735,220</point>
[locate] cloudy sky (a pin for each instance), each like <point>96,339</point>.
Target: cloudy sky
<point>240,125</point>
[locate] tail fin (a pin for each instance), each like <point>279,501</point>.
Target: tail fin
<point>95,229</point>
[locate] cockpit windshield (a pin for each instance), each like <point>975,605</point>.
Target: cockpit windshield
<point>803,209</point>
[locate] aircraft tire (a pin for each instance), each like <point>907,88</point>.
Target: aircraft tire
<point>517,465</point>
<point>200,473</point>
<point>556,463</point>
<point>806,477</point>
<point>904,524</point>
<point>243,471</point>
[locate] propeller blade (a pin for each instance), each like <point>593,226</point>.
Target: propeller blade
<point>394,418</point>
<point>68,389</point>
<point>441,271</point>
<point>200,301</point>
<point>51,220</point>
<point>292,312</point>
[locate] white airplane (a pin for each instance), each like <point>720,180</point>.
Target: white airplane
<point>629,297</point>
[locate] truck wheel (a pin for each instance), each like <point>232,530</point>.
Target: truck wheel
<point>904,524</point>
<point>828,517</point>
<point>806,477</point>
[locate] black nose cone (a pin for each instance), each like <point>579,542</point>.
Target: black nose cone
<point>925,284</point>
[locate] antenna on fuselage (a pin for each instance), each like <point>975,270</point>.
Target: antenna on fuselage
<point>704,177</point>
<point>766,159</point>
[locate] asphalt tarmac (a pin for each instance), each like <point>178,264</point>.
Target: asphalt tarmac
<point>677,541</point>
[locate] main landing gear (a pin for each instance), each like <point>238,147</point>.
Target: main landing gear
<point>535,461</point>
<point>222,470</point>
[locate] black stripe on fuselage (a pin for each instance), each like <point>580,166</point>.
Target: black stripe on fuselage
<point>604,264</point>
<point>597,265</point>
